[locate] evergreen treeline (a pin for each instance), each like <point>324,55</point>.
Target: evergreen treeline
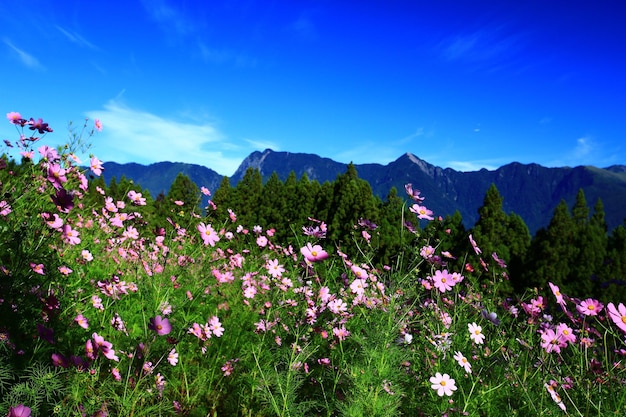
<point>575,251</point>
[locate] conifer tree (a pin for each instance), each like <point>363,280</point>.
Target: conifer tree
<point>185,191</point>
<point>223,199</point>
<point>552,252</point>
<point>248,197</point>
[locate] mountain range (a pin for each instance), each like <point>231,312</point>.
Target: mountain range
<point>529,190</point>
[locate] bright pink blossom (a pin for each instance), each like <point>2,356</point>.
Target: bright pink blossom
<point>618,315</point>
<point>590,307</point>
<point>313,253</point>
<point>160,325</point>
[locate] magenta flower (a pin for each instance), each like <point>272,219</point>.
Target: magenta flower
<point>19,411</point>
<point>618,315</point>
<point>160,325</point>
<point>5,208</point>
<point>39,125</point>
<point>590,307</point>
<point>313,253</point>
<point>474,245</point>
<point>98,125</point>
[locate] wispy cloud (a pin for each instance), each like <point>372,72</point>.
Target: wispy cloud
<point>170,19</point>
<point>467,166</point>
<point>27,59</point>
<point>131,135</point>
<point>224,56</point>
<point>263,144</point>
<point>304,28</point>
<point>76,38</point>
<point>488,47</point>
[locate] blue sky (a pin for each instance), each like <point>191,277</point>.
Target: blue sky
<point>460,84</point>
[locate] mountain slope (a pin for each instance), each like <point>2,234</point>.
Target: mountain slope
<point>530,190</point>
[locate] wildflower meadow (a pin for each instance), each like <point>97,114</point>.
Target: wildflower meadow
<point>108,310</point>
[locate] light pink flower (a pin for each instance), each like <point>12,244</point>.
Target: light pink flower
<point>96,166</point>
<point>209,236</point>
<point>463,362</point>
<point>98,125</point>
<point>443,384</point>
<point>172,357</point>
<point>422,212</point>
<point>476,333</point>
<point>618,315</point>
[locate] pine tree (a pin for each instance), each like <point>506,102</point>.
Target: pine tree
<point>248,196</point>
<point>552,252</point>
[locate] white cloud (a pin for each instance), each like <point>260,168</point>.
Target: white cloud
<point>131,135</point>
<point>467,166</point>
<point>27,59</point>
<point>76,38</point>
<point>584,146</point>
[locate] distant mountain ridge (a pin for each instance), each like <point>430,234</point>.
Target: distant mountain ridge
<point>530,190</point>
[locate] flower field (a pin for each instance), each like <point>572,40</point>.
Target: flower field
<point>104,312</point>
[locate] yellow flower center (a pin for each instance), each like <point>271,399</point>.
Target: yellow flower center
<point>442,383</point>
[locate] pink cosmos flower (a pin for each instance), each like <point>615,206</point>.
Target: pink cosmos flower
<point>565,333</point>
<point>172,357</point>
<point>19,410</point>
<point>474,245</point>
<point>358,286</point>
<point>5,208</point>
<point>413,193</point>
<point>82,321</point>
<point>422,212</point>
<point>14,117</point>
<point>551,341</point>
<point>443,384</point>
<point>313,253</point>
<point>70,236</point>
<point>160,325</point>
<point>618,315</point>
<point>116,374</point>
<point>209,236</point>
<point>274,268</point>
<point>590,307</point>
<point>340,332</point>
<point>442,280</point>
<point>557,294</point>
<point>261,241</point>
<point>98,125</point>
<point>476,333</point>
<point>463,362</point>
<point>337,306</point>
<point>65,270</point>
<point>136,198</point>
<point>37,268</point>
<point>216,326</point>
<point>205,191</point>
<point>96,166</point>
